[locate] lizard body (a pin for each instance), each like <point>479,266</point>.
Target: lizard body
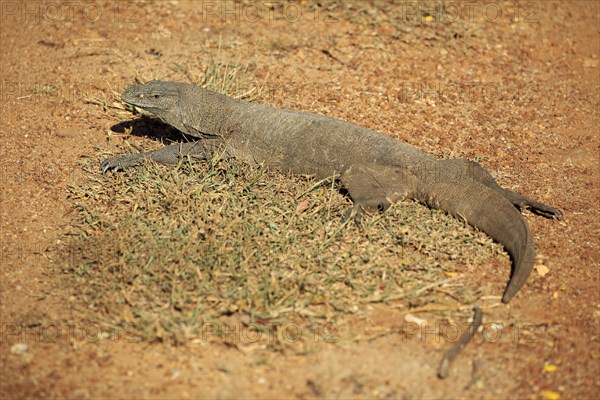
<point>375,169</point>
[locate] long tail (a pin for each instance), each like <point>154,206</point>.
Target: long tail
<point>490,212</point>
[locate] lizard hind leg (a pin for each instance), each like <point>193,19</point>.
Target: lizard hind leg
<point>475,171</point>
<point>373,188</point>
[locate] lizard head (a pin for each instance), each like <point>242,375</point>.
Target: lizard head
<point>154,96</point>
<point>160,98</point>
<point>189,108</point>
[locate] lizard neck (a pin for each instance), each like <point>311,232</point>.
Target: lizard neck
<point>200,112</point>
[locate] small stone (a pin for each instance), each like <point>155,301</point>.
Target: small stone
<point>542,270</point>
<point>19,348</point>
<point>414,319</point>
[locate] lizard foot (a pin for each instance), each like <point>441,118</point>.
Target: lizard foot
<point>548,212</point>
<point>120,163</point>
<point>356,213</point>
<point>542,209</point>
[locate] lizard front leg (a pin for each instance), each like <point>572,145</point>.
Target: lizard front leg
<point>374,188</point>
<point>171,154</point>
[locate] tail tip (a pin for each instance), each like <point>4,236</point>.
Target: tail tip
<point>509,293</point>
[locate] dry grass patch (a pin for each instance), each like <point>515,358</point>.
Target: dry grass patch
<point>169,249</point>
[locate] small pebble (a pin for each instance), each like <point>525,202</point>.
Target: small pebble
<point>414,319</point>
<point>19,348</point>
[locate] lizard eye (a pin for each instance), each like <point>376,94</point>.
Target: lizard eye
<point>156,96</point>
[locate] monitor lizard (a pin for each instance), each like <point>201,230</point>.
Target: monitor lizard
<point>375,169</point>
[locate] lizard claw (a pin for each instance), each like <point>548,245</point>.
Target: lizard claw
<point>107,166</point>
<point>104,167</point>
<point>557,216</point>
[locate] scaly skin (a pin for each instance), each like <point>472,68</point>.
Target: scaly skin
<point>375,169</point>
